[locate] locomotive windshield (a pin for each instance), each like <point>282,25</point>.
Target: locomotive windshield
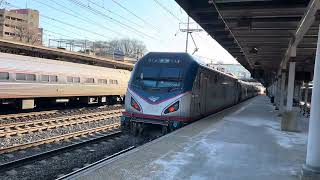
<point>161,74</point>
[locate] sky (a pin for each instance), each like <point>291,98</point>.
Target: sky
<point>155,22</point>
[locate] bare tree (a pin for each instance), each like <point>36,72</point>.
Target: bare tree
<point>130,47</point>
<point>26,34</point>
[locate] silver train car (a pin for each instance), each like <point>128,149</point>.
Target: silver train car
<point>27,82</point>
<point>173,89</point>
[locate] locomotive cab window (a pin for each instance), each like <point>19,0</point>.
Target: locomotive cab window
<point>4,76</point>
<point>25,77</point>
<point>159,74</point>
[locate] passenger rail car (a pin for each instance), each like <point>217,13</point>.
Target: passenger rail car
<point>172,89</point>
<point>28,81</point>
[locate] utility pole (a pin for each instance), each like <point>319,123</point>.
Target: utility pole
<point>190,31</point>
<point>187,34</point>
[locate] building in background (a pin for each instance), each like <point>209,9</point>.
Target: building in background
<point>21,25</point>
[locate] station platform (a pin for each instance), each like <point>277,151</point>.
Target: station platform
<point>243,142</point>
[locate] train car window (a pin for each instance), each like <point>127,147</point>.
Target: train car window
<point>111,81</point>
<point>44,78</point>
<point>102,81</point>
<point>31,77</point>
<point>53,78</point>
<point>20,77</point>
<point>76,79</point>
<point>25,77</point>
<point>89,80</point>
<point>4,76</point>
<point>69,79</point>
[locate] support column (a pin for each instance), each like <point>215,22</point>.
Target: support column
<point>300,92</point>
<point>277,94</point>
<point>273,88</point>
<point>289,117</point>
<point>313,149</point>
<point>273,92</point>
<point>306,91</point>
<point>292,69</point>
<point>282,91</point>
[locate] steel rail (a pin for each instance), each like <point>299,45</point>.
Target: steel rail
<point>95,163</point>
<point>54,152</point>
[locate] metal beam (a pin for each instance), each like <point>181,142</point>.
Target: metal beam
<point>305,23</point>
<point>263,19</point>
<point>261,32</point>
<point>254,13</point>
<point>259,5</point>
<point>265,25</point>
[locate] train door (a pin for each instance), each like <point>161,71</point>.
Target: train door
<point>195,103</point>
<point>203,93</point>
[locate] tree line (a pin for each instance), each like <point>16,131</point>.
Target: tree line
<point>129,47</point>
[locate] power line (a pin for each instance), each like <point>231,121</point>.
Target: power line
<point>95,11</point>
<point>58,34</point>
<point>79,17</point>
<point>132,22</point>
<point>9,4</point>
<point>144,21</point>
<point>58,27</point>
<point>62,22</point>
<point>166,9</point>
<point>77,27</point>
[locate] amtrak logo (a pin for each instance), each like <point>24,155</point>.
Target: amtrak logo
<point>153,98</point>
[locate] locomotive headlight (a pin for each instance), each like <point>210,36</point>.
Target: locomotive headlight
<point>135,105</point>
<point>174,107</point>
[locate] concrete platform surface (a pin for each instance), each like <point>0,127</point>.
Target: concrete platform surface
<point>241,143</point>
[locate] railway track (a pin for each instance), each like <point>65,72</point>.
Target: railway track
<point>10,129</point>
<point>71,123</point>
<point>59,138</point>
<point>95,163</point>
<point>54,152</point>
<point>94,136</point>
<point>31,116</point>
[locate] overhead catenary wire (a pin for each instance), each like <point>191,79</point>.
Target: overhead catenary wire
<point>71,25</point>
<point>135,15</point>
<point>59,34</point>
<point>65,23</point>
<point>125,26</point>
<point>116,14</point>
<point>78,17</point>
<point>64,29</point>
<point>167,10</point>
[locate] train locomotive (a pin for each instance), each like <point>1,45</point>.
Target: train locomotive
<point>27,82</point>
<point>174,89</point>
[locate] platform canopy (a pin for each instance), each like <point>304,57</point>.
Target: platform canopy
<point>263,35</point>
